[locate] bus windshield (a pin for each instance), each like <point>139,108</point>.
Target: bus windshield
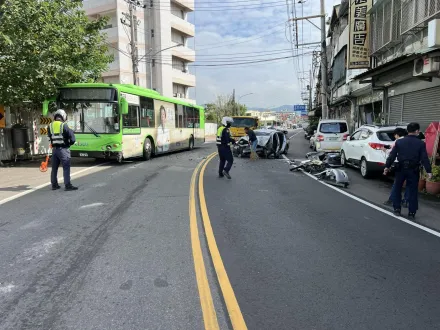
<point>244,122</point>
<point>92,117</point>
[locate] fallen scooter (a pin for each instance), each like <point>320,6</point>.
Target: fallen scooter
<point>323,167</point>
<point>334,176</point>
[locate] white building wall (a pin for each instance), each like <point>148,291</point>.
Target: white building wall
<point>121,70</point>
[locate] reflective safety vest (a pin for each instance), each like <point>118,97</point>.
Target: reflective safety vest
<point>218,140</point>
<point>56,131</point>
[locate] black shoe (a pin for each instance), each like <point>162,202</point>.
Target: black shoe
<point>221,176</point>
<point>56,187</point>
<point>397,212</point>
<point>226,174</point>
<point>388,202</point>
<point>70,188</point>
<point>412,216</point>
<point>405,205</point>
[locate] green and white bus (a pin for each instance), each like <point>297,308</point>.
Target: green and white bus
<point>120,121</point>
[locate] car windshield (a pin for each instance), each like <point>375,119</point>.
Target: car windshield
<point>92,117</point>
<point>333,127</point>
<point>386,136</point>
<point>244,122</point>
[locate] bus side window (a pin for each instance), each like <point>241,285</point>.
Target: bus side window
<point>147,112</point>
<point>132,118</point>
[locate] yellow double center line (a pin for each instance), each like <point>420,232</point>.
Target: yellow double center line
<point>208,309</point>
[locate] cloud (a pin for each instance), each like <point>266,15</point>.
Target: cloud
<point>252,32</point>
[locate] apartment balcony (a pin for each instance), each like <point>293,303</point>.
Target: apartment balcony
<point>185,53</point>
<point>93,7</point>
<point>183,26</point>
<point>112,35</point>
<point>183,78</point>
<point>187,4</point>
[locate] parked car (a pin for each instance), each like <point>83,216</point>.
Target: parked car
<point>271,144</point>
<point>330,135</point>
<point>364,149</point>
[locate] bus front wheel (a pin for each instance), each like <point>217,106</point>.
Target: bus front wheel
<point>148,149</point>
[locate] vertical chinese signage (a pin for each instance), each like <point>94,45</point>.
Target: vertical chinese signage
<point>359,25</point>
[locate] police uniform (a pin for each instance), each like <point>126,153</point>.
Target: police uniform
<point>223,142</point>
<point>410,152</point>
<point>61,137</point>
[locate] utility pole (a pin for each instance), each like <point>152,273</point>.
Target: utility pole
<point>134,57</point>
<point>132,24</point>
<point>323,64</point>
<point>234,106</point>
<point>323,55</point>
<point>310,88</point>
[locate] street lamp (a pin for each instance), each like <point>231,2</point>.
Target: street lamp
<point>151,60</point>
<point>244,95</point>
<point>239,98</point>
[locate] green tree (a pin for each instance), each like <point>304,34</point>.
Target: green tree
<point>47,44</point>
<point>242,109</point>
<point>210,112</point>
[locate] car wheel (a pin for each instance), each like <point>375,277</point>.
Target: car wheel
<point>343,159</point>
<point>148,149</point>
<point>365,171</point>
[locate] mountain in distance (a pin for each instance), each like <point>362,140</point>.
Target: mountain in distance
<point>288,107</point>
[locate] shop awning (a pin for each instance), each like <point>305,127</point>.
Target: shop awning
<point>394,63</point>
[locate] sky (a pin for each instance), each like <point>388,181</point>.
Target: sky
<point>231,32</point>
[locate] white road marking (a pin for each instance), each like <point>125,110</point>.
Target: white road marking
<point>91,205</point>
<point>360,200</point>
<point>3,201</point>
<point>6,288</point>
<point>294,135</point>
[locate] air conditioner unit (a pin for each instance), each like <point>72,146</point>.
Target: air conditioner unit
<point>426,66</point>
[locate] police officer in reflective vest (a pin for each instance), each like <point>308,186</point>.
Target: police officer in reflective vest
<point>224,141</point>
<point>61,137</point>
<point>410,152</point>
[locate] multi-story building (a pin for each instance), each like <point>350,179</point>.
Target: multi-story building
<point>162,35</point>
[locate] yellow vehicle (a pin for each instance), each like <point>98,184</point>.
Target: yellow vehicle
<point>240,122</point>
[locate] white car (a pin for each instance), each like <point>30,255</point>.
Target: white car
<point>364,149</point>
<point>330,135</point>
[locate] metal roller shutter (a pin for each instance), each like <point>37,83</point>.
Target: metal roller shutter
<point>422,107</point>
<point>395,111</point>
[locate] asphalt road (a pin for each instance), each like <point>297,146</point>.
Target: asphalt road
<point>116,254</point>
<point>300,255</point>
<point>119,254</point>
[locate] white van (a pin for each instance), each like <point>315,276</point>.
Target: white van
<point>330,135</point>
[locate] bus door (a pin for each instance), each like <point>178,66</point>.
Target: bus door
<point>181,132</point>
<point>131,128</point>
<point>197,131</point>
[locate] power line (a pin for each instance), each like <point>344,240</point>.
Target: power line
<point>230,8</point>
<point>237,63</point>
<point>241,42</point>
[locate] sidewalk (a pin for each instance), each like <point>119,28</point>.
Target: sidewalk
<point>210,138</point>
<point>19,178</point>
